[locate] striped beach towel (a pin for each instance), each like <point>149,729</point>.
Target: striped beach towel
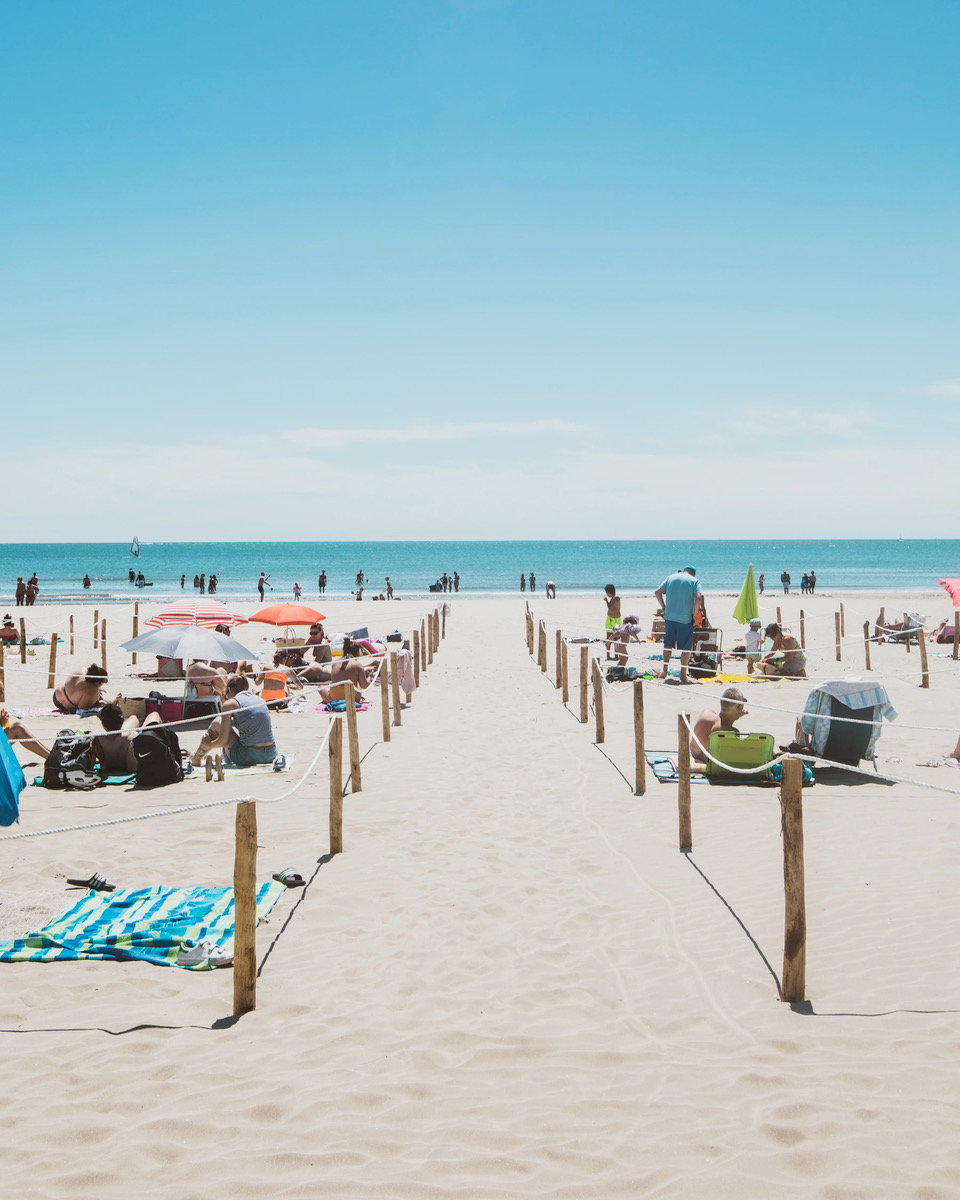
<point>151,924</point>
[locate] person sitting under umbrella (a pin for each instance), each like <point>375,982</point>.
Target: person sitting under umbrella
<point>243,731</point>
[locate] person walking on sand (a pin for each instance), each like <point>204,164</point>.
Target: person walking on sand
<point>612,601</point>
<point>681,599</point>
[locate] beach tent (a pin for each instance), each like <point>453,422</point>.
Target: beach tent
<point>747,608</point>
<point>12,782</point>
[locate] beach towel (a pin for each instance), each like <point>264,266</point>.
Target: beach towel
<point>663,763</point>
<point>113,780</point>
<point>340,706</point>
<point>262,768</point>
<point>152,924</point>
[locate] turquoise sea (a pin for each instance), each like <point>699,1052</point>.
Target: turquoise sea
<point>485,567</point>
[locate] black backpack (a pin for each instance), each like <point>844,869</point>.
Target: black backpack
<point>158,757</point>
<point>71,763</point>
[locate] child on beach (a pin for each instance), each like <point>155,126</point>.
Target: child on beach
<point>612,601</point>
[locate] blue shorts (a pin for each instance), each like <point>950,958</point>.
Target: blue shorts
<point>249,756</point>
<point>678,635</point>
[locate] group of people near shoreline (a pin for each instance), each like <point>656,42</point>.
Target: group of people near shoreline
<point>26,594</point>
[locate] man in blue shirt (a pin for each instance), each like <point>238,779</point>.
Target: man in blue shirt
<point>681,598</point>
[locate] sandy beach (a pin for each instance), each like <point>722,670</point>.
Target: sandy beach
<point>511,983</point>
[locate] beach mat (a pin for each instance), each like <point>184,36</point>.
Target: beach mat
<point>663,763</point>
<point>258,768</point>
<point>148,924</point>
<point>111,780</point>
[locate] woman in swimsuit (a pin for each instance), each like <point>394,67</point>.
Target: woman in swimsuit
<point>81,691</point>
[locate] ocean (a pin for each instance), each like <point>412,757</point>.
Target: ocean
<point>489,568</point>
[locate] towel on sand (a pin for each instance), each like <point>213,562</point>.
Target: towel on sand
<point>151,924</point>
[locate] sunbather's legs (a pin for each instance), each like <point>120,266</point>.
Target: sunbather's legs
<point>20,735</point>
<point>217,737</point>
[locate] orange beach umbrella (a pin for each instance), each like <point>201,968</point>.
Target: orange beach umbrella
<point>287,614</point>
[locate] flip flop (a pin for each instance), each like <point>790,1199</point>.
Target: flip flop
<point>96,882</point>
<point>290,878</point>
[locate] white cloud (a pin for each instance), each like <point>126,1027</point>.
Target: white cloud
<point>948,388</point>
<point>440,432</point>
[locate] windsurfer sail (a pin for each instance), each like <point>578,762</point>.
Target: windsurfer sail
<point>135,547</point>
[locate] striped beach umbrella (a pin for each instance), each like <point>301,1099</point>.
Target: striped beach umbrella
<point>208,613</point>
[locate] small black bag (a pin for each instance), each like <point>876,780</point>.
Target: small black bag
<point>158,757</point>
<point>71,763</point>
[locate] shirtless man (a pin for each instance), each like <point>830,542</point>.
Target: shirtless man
<point>732,708</point>
<point>81,691</point>
<point>612,601</point>
<point>113,750</point>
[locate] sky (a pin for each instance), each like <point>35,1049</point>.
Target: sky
<point>463,269</point>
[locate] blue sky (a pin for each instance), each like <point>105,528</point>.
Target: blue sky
<point>479,269</point>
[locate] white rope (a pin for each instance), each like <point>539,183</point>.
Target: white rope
<point>171,812</point>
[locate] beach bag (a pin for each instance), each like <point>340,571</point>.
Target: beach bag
<point>157,753</point>
<point>71,763</point>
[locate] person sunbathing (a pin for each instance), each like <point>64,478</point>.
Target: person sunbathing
<point>113,750</point>
<point>321,643</point>
<point>275,685</point>
<point>8,632</point>
<point>19,735</point>
<point>205,679</point>
<point>359,672</point>
<point>79,692</point>
<point>732,708</point>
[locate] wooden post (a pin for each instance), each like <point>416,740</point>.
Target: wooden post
<point>843,621</point>
<point>793,984</point>
<point>443,622</point>
<point>906,626</point>
<point>395,684</point>
<point>866,643</point>
<point>836,629</point>
<point>71,635</point>
<point>96,627</point>
<point>598,700</point>
<point>779,618</point>
<point>683,791</point>
<point>529,620</point>
<point>881,621</point>
<point>436,631</point>
<point>416,657</point>
<point>924,674</point>
<point>640,778</point>
<point>584,678</point>
<point>23,640</point>
<point>335,754</point>
<point>564,672</point>
<point>385,699</point>
<point>103,643</point>
<point>52,670</point>
<point>558,651</point>
<point>423,647</point>
<point>245,909</point>
<point>542,647</point>
<point>803,632</point>
<point>956,631</point>
<point>430,637</point>
<point>3,686</point>
<point>353,740</point>
<point>136,627</point>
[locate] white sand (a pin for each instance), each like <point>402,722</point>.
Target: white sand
<point>511,983</point>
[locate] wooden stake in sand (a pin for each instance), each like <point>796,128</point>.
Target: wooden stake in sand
<point>529,620</point>
<point>881,621</point>
<point>803,632</point>
<point>385,700</point>
<point>906,626</point>
<point>96,627</point>
<point>23,640</point>
<point>793,984</point>
<point>3,686</point>
<point>103,643</point>
<point>640,781</point>
<point>71,635</point>
<point>924,674</point>
<point>136,626</point>
<point>598,700</point>
<point>584,683</point>
<point>52,669</point>
<point>416,657</point>
<point>683,790</point>
<point>558,655</point>
<point>564,672</point>
<point>335,755</point>
<point>395,685</point>
<point>542,647</point>
<point>353,739</point>
<point>436,631</point>
<point>779,618</point>
<point>423,647</point>
<point>836,628</point>
<point>245,909</point>
<point>430,621</point>
<point>843,621</point>
<point>443,625</point>
<point>866,643</point>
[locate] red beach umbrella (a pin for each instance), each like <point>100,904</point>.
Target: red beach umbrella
<point>287,614</point>
<point>208,613</point>
<point>953,587</point>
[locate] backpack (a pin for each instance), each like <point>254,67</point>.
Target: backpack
<point>158,757</point>
<point>71,763</point>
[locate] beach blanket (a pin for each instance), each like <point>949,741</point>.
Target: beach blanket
<point>152,924</point>
<point>49,711</point>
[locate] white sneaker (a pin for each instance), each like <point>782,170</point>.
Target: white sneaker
<point>204,954</point>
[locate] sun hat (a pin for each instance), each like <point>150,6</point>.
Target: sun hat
<point>755,621</point>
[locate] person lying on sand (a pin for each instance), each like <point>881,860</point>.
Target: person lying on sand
<point>113,750</point>
<point>359,672</point>
<point>732,708</point>
<point>81,691</point>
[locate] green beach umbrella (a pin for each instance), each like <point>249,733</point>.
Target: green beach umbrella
<point>747,607</point>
